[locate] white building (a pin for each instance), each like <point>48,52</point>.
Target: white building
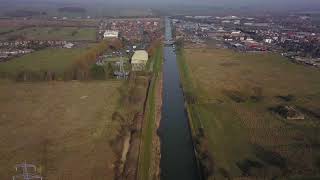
<point>110,34</point>
<point>235,32</point>
<point>139,60</point>
<point>68,45</point>
<point>268,40</point>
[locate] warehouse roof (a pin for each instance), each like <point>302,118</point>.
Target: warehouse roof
<point>140,56</point>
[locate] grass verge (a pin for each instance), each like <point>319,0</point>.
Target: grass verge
<point>149,125</point>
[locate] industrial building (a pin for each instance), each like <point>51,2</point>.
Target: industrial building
<point>69,45</point>
<point>139,60</point>
<point>111,34</point>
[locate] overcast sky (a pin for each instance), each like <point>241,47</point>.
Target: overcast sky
<point>295,4</point>
<point>220,2</point>
<point>260,4</point>
<point>244,2</point>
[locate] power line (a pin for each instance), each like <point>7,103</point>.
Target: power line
<point>121,73</point>
<point>29,172</point>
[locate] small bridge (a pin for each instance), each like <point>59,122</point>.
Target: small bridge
<point>169,42</point>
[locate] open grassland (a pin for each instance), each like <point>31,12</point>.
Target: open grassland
<point>4,30</point>
<point>64,128</point>
<point>50,59</point>
<point>54,33</point>
<point>57,64</point>
<point>20,22</point>
<point>230,99</point>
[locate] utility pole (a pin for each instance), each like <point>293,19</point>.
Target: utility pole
<point>121,66</point>
<point>29,172</point>
<point>121,73</point>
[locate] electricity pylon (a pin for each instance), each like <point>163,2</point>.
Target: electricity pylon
<point>29,172</point>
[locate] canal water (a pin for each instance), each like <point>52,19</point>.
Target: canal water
<point>178,160</point>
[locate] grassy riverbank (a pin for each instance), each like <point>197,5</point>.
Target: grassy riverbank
<point>230,98</point>
<point>147,152</point>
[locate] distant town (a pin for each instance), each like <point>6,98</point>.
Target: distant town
<point>295,36</point>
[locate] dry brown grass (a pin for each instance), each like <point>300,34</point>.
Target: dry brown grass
<point>246,85</point>
<point>208,67</point>
<point>62,127</point>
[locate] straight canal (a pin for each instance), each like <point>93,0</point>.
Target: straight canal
<point>177,152</point>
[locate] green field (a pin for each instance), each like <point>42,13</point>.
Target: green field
<point>54,33</point>
<point>116,59</point>
<point>230,96</point>
<point>50,59</point>
<point>6,30</point>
